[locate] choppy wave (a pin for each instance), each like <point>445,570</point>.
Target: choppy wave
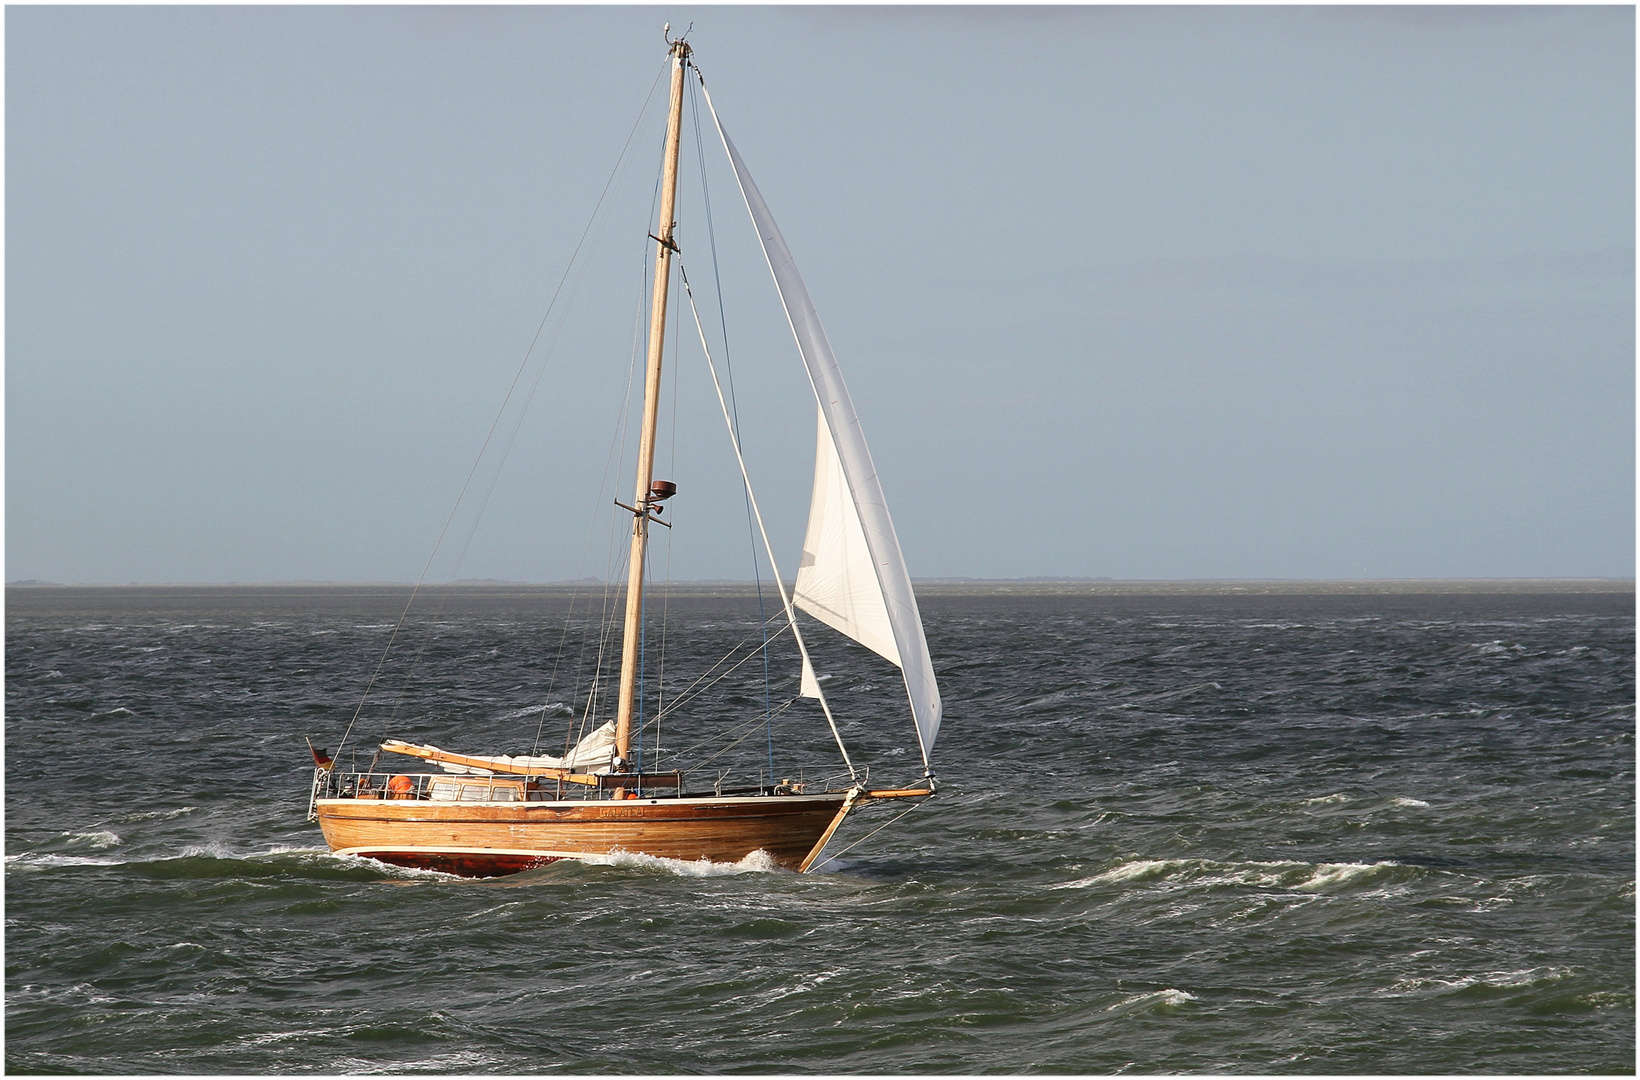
<point>551,709</point>
<point>96,841</point>
<point>1536,977</point>
<point>37,859</point>
<point>1155,999</point>
<point>154,815</point>
<point>1180,835</point>
<point>1201,873</point>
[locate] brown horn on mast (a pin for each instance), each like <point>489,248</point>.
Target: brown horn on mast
<point>664,249</point>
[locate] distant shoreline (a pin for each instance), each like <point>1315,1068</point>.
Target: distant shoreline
<point>947,587</point>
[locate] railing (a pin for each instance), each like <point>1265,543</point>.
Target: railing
<point>440,787</point>
<point>477,788</point>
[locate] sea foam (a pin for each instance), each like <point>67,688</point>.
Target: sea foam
<point>758,862</point>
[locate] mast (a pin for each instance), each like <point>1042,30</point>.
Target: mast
<point>644,499</point>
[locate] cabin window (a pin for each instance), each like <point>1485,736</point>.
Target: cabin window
<point>444,791</point>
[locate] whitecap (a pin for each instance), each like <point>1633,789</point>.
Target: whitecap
<point>96,841</point>
<point>408,873</point>
<point>1497,980</point>
<point>1400,800</point>
<point>460,1061</point>
<point>1155,999</point>
<point>151,815</point>
<point>287,849</point>
<point>1266,875</point>
<point>1137,870</point>
<point>1330,875</point>
<point>525,712</point>
<point>803,984</point>
<point>31,859</point>
<point>758,862</point>
<point>490,911</point>
<point>282,1036</point>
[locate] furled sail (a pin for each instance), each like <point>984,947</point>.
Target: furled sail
<point>833,579</point>
<point>593,754</point>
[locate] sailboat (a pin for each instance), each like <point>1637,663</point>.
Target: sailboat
<point>486,814</point>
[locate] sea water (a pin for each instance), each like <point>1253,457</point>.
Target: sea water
<point>1324,833</point>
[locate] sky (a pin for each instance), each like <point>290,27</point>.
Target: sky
<point>1129,292</point>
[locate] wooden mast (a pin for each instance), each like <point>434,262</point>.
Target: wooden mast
<point>651,409</point>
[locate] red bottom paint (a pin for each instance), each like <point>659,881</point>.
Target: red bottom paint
<point>462,863</point>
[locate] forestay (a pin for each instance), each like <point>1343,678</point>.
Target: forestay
<point>853,538</point>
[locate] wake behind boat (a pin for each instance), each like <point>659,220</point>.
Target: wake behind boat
<point>481,815</point>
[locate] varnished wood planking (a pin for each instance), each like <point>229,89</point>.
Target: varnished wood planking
<point>787,827</point>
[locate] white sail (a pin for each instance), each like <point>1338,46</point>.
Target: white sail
<point>836,579</point>
<point>848,443</point>
<point>809,684</point>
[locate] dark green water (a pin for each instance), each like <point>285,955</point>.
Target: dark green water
<point>1272,834</point>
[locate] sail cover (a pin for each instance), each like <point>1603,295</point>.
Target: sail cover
<point>852,508</point>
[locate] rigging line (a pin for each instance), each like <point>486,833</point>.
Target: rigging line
<point>666,589</point>
<point>595,228</point>
<point>688,697</point>
<point>614,460</point>
<point>616,444</point>
<point>893,579</point>
<point>660,672</point>
<point>914,807</point>
<point>615,551</point>
<point>689,692</point>
<point>643,639</point>
<point>721,660</point>
<point>704,762</point>
<point>709,740</point>
<point>517,424</point>
<point>750,728</point>
<point>447,589</point>
<point>681,700</point>
<point>619,555</point>
<point>369,685</point>
<point>734,404</point>
<point>666,593</point>
<point>774,567</point>
<point>535,385</point>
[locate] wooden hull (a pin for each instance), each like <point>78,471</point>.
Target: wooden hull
<point>485,840</point>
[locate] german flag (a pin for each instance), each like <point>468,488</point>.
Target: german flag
<point>321,759</point>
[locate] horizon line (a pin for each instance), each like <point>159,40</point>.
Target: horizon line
<point>1041,579</point>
